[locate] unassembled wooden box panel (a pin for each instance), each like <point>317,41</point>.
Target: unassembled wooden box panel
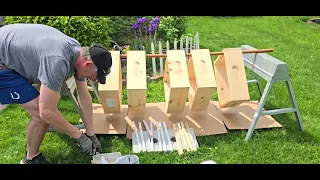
<point>202,79</point>
<point>232,86</point>
<point>176,81</point>
<point>136,82</point>
<point>111,92</point>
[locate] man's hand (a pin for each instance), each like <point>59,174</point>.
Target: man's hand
<point>85,145</point>
<point>95,143</point>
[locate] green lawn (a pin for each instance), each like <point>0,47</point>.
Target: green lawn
<point>293,41</point>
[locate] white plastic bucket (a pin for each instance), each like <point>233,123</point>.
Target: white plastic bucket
<point>109,158</point>
<point>128,159</point>
<point>208,162</point>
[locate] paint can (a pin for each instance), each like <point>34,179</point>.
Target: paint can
<point>208,162</point>
<point>128,159</point>
<point>106,158</point>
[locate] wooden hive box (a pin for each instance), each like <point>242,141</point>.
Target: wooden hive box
<point>176,81</point>
<point>202,79</point>
<point>136,82</point>
<point>232,86</point>
<point>111,93</point>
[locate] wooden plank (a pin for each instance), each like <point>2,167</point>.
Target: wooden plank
<point>232,86</point>
<point>176,81</point>
<point>202,79</point>
<point>111,93</point>
<point>211,53</point>
<point>136,82</point>
<point>111,123</point>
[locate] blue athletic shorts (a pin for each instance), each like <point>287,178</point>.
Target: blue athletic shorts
<point>15,89</point>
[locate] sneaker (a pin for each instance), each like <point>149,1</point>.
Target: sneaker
<point>39,159</point>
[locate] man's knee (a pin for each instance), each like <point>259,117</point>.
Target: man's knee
<point>32,108</point>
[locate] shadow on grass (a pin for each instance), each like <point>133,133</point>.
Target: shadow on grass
<point>290,132</point>
<point>291,126</point>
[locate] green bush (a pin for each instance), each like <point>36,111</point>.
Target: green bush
<point>172,27</point>
<point>86,29</point>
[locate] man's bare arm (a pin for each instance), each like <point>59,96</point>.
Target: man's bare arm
<point>48,107</point>
<point>85,101</point>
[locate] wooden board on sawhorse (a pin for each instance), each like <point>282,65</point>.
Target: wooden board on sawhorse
<point>272,70</point>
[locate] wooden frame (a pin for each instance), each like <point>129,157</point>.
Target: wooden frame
<point>202,80</point>
<point>231,78</point>
<point>136,82</point>
<point>176,81</point>
<point>111,93</point>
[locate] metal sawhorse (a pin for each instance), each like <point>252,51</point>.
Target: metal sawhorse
<point>272,70</point>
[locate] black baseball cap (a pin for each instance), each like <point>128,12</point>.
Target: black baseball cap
<point>101,57</point>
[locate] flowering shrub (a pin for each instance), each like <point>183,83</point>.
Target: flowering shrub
<point>145,32</point>
<point>169,28</point>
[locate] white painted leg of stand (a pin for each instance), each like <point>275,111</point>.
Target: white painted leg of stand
<point>156,146</point>
<point>164,143</point>
<point>149,132</point>
<point>170,148</point>
<point>142,138</point>
<point>151,136</point>
<point>146,125</point>
<point>136,135</point>
<point>158,136</point>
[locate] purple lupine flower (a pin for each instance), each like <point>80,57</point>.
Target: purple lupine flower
<point>151,29</point>
<point>155,26</point>
<point>143,20</point>
<point>139,20</point>
<point>144,28</point>
<point>134,26</point>
<point>157,19</point>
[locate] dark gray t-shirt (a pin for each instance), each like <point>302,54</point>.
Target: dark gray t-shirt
<point>40,53</point>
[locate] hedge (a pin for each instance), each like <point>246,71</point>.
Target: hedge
<point>86,29</point>
<point>101,29</point>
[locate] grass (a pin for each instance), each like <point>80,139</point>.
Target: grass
<point>294,42</point>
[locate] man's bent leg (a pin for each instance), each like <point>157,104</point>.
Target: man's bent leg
<point>14,89</point>
<point>36,129</point>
